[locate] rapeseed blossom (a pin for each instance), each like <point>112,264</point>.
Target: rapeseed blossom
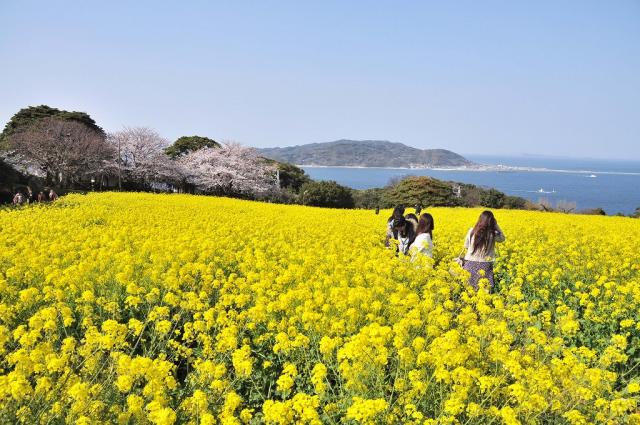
<point>141,308</point>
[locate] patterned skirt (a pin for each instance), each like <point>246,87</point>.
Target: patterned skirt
<point>479,270</point>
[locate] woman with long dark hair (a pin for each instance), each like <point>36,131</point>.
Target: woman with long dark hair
<point>413,219</point>
<point>396,217</point>
<point>480,244</point>
<point>423,243</point>
<point>403,232</point>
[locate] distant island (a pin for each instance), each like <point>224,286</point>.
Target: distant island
<point>365,153</point>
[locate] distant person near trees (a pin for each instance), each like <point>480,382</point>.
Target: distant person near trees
<point>41,197</point>
<point>18,199</point>
<point>418,208</point>
<point>480,245</point>
<point>52,195</point>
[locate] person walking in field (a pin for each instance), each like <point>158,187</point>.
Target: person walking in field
<point>423,243</point>
<point>480,245</point>
<point>52,195</point>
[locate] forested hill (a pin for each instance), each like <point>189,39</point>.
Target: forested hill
<point>365,153</point>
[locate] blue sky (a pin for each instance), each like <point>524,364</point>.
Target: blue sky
<point>493,77</point>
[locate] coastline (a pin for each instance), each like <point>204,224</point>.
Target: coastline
<point>479,168</point>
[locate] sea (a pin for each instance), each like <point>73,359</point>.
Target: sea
<point>613,185</point>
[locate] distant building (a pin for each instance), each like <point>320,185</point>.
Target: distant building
<point>457,190</point>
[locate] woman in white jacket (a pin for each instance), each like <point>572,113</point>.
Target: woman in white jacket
<point>423,243</point>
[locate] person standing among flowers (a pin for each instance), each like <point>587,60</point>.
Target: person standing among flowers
<point>480,245</point>
<point>18,199</point>
<point>398,214</point>
<point>423,243</point>
<point>413,219</point>
<point>403,232</point>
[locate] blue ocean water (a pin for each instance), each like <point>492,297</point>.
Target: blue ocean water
<point>611,185</point>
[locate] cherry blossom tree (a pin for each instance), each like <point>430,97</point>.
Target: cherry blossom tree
<point>141,158</point>
<point>65,152</point>
<point>229,169</point>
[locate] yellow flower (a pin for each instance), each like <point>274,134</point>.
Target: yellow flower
<point>163,327</point>
<point>163,416</point>
<point>242,362</point>
<point>124,383</point>
<point>318,375</point>
<point>173,301</point>
<point>633,387</point>
<point>366,411</point>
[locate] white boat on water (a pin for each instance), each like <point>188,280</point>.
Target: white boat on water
<point>592,175</point>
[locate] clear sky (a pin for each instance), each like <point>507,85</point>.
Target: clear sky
<point>494,77</point>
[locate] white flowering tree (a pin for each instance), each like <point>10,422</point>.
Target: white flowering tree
<point>65,152</point>
<point>229,169</point>
<point>141,158</point>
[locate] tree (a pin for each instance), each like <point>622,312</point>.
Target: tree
<point>470,194</point>
<point>515,202</point>
<point>291,177</point>
<point>636,214</point>
<point>8,175</point>
<point>10,179</point>
<point>231,169</point>
<point>326,194</point>
<point>186,144</point>
<point>422,190</point>
<point>565,206</point>
<point>26,117</point>
<point>545,204</point>
<point>492,198</point>
<point>64,151</point>
<point>369,198</point>
<point>593,211</point>
<point>142,159</point>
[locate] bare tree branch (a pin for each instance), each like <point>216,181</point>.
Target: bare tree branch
<point>65,151</point>
<point>142,156</point>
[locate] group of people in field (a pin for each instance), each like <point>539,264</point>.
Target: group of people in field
<point>413,236</point>
<point>28,197</point>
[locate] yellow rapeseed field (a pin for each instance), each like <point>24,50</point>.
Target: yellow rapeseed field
<point>141,308</point>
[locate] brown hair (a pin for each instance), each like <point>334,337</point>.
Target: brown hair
<point>425,224</point>
<point>484,232</point>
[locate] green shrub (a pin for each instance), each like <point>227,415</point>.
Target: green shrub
<point>326,194</point>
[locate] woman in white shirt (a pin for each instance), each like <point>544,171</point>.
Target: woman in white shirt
<point>480,243</point>
<point>423,244</point>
